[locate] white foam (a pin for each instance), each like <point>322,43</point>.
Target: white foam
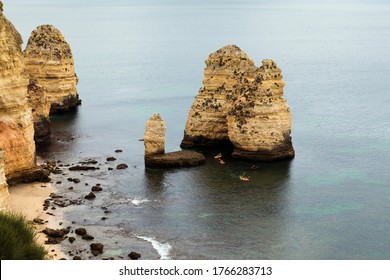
<point>138,201</point>
<point>162,249</point>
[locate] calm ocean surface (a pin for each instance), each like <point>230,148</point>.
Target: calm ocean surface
<point>134,58</point>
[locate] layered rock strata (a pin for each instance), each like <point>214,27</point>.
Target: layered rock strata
<point>241,104</point>
<point>154,142</point>
<point>206,124</point>
<point>16,124</point>
<point>259,121</point>
<point>49,63</point>
<point>40,110</point>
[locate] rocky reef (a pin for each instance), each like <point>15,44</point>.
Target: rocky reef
<point>16,123</point>
<point>241,105</point>
<point>49,63</point>
<point>154,142</point>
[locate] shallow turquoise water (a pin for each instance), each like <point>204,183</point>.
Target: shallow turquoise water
<point>135,58</point>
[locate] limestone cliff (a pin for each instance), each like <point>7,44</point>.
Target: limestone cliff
<point>241,104</point>
<point>16,124</point>
<point>49,63</point>
<point>154,137</point>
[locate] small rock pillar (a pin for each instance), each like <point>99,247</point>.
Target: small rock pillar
<point>154,137</point>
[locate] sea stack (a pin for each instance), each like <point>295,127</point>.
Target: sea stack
<point>259,122</point>
<point>206,124</point>
<point>154,137</point>
<point>154,142</point>
<point>49,63</point>
<point>241,105</point>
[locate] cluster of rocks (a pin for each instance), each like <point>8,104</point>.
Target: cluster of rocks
<point>241,105</point>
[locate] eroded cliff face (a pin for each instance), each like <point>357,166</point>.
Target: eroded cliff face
<point>16,125</point>
<point>38,101</point>
<point>206,124</point>
<point>154,137</point>
<point>259,122</point>
<point>49,63</point>
<point>241,104</point>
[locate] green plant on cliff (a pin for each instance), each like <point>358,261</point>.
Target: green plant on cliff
<point>18,239</point>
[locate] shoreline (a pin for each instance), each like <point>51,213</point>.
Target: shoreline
<point>28,200</point>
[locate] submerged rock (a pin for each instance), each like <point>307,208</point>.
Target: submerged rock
<point>241,105</point>
<point>49,62</point>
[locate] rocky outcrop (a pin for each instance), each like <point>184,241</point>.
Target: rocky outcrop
<point>154,142</point>
<point>49,63</point>
<point>154,137</point>
<point>16,124</point>
<point>242,105</point>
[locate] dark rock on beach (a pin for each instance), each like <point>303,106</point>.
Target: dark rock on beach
<point>96,189</point>
<point>56,232</point>
<point>71,239</point>
<point>87,237</point>
<point>81,231</point>
<point>82,168</point>
<point>90,196</point>
<point>134,256</point>
<point>96,248</point>
<point>111,159</point>
<point>122,166</point>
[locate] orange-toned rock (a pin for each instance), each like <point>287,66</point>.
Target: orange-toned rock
<point>16,123</point>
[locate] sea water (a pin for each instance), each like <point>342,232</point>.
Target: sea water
<point>134,58</point>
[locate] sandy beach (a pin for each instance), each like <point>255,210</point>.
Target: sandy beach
<point>28,199</point>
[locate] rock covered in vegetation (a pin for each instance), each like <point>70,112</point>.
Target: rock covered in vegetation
<point>154,137</point>
<point>16,123</point>
<point>241,105</point>
<point>49,62</point>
